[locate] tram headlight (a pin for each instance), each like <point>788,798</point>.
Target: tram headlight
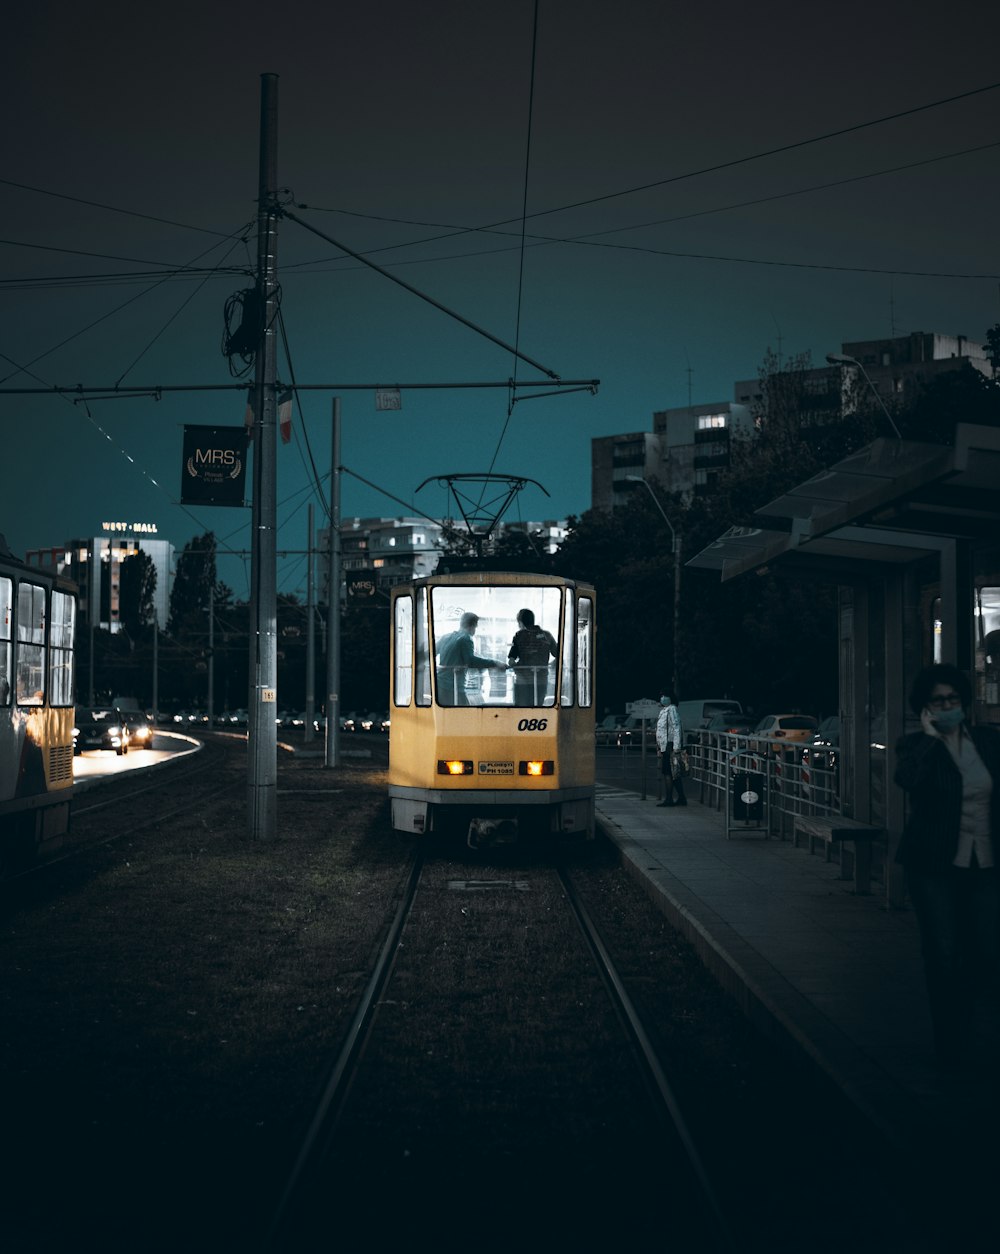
<point>536,768</point>
<point>454,766</point>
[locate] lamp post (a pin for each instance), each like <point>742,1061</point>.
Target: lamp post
<point>676,545</point>
<point>841,359</point>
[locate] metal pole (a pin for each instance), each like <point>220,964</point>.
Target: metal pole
<point>310,730</point>
<point>333,601</point>
<point>675,678</point>
<point>262,765</point>
<point>211,643</point>
<point>156,670</point>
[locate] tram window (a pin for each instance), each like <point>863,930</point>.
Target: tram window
<point>423,677</point>
<point>30,658</point>
<point>403,652</point>
<point>473,660</point>
<point>63,618</point>
<point>6,617</point>
<point>568,635</point>
<point>584,651</point>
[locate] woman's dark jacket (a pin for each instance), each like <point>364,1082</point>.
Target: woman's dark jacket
<point>926,770</point>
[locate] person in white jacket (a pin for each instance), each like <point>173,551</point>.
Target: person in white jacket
<point>669,743</point>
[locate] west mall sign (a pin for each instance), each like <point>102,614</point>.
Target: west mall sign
<point>122,528</point>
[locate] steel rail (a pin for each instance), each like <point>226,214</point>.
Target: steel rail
<point>650,1066</point>
<point>335,1092</point>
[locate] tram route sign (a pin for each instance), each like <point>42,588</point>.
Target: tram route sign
<point>644,709</point>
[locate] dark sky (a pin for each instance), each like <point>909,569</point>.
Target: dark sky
<point>399,123</point>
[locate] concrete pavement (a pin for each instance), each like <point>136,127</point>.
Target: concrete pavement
<point>836,974</point>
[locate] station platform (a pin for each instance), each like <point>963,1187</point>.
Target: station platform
<point>835,974</point>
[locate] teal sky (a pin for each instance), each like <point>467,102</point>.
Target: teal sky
<point>404,127</point>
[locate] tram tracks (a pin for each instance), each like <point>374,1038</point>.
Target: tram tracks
<point>126,806</point>
<point>379,1039</point>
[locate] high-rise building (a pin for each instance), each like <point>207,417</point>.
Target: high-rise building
<point>95,565</point>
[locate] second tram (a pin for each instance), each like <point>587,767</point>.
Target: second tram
<point>37,624</point>
<point>492,726</point>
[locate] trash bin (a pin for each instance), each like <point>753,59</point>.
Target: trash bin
<point>747,796</point>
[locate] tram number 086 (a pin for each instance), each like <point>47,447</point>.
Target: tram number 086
<point>533,724</point>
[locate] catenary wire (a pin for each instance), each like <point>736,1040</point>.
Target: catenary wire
<point>96,204</point>
<point>724,165</point>
<point>176,314</point>
<point>103,318</point>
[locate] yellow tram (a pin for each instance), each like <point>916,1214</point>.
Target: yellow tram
<point>37,624</point>
<point>492,689</point>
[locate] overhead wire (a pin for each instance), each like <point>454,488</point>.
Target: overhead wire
<point>721,165</point>
<point>310,469</point>
<point>176,314</point>
<point>104,317</point>
<point>524,219</point>
<point>96,204</point>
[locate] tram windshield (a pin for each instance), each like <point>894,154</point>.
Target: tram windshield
<point>496,645</point>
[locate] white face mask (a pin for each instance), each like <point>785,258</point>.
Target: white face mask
<point>948,720</point>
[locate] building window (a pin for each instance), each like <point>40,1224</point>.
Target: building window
<point>706,421</point>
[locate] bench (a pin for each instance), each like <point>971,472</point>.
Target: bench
<point>836,831</point>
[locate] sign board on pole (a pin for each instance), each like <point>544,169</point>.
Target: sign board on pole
<point>215,461</point>
<point>643,709</point>
<point>388,398</point>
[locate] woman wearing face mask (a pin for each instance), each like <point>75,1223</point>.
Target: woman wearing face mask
<point>951,851</point>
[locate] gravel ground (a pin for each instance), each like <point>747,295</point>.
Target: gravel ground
<point>171,1003</point>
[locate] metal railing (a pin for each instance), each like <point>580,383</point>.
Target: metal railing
<point>789,778</point>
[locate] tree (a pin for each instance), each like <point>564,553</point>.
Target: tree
<point>136,588</point>
<point>633,578</point>
<point>960,395</point>
<point>191,593</point>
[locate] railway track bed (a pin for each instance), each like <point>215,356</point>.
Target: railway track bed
<point>173,1002</point>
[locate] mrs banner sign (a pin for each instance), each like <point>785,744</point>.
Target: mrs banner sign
<point>215,464</point>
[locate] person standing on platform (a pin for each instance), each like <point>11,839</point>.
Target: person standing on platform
<point>950,850</point>
<point>668,748</point>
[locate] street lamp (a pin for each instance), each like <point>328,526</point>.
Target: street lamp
<point>676,545</point>
<point>841,359</point>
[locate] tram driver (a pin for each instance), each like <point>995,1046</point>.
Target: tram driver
<point>456,657</point>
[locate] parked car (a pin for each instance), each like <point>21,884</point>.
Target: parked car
<point>728,724</point>
<point>140,729</point>
<point>100,728</point>
<point>695,715</point>
<point>782,730</point>
<point>606,731</point>
<point>630,732</point>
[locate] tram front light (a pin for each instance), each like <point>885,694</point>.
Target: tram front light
<point>454,766</point>
<point>536,768</point>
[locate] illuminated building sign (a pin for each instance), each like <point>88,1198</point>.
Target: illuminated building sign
<point>135,528</point>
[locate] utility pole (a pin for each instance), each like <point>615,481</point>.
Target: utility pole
<point>309,730</point>
<point>333,600</point>
<point>262,766</point>
<point>210,703</point>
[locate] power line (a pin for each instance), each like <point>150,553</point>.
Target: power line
<point>712,169</point>
<point>96,204</point>
<point>422,295</point>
